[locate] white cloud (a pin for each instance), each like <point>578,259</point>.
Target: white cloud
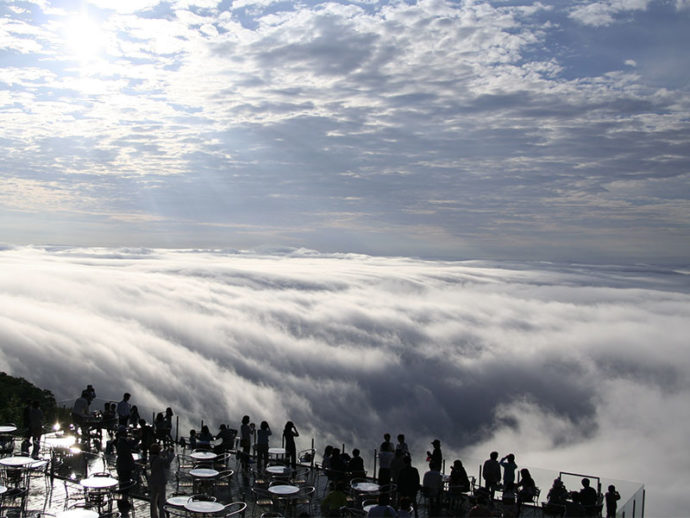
<point>604,13</point>
<point>571,367</point>
<point>311,118</point>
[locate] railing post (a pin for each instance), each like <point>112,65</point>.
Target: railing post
<point>644,497</point>
<point>375,458</point>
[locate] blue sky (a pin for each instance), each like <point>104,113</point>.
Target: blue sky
<point>503,130</point>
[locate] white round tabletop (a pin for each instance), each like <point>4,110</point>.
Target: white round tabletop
<point>278,470</point>
<point>64,441</point>
<point>7,428</point>
<point>203,472</point>
<point>98,482</point>
<point>203,507</point>
<point>283,489</point>
<point>276,451</point>
<point>178,501</point>
<point>3,489</point>
<point>203,455</point>
<point>366,487</point>
<point>38,464</point>
<point>16,462</point>
<point>77,513</point>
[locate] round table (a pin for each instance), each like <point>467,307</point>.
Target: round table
<point>8,428</point>
<point>38,465</point>
<point>77,513</point>
<point>98,482</point>
<point>64,441</point>
<point>366,487</point>
<point>203,507</point>
<point>3,489</point>
<point>277,453</point>
<point>178,501</point>
<point>283,490</point>
<point>203,455</point>
<point>17,462</point>
<point>203,472</point>
<point>278,470</point>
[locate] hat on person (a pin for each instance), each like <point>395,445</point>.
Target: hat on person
<point>436,441</point>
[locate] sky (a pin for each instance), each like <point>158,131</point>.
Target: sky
<point>439,129</point>
<point>577,368</point>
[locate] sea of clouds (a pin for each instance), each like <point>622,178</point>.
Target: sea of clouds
<point>571,367</point>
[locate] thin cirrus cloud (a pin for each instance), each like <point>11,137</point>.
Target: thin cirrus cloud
<point>572,367</point>
<point>279,117</point>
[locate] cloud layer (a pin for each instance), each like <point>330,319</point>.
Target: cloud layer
<point>435,128</point>
<point>575,368</point>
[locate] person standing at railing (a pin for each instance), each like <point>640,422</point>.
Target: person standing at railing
<point>612,496</point>
<point>124,409</point>
<point>289,434</point>
<point>245,441</point>
<point>262,445</point>
<point>491,472</point>
<point>509,467</point>
<point>35,427</point>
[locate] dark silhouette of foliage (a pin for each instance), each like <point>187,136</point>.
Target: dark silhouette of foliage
<point>16,394</point>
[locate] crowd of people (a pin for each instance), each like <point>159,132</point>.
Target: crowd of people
<point>128,432</point>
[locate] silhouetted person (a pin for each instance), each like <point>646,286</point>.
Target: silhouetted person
<point>160,466</point>
<point>588,495</point>
<point>402,445</point>
<point>459,481</point>
<point>90,393</point>
<point>356,465</point>
<point>125,467</point>
<point>227,437</point>
<point>125,461</point>
<point>558,494</point>
<point>491,472</point>
<point>245,441</point>
<point>509,467</point>
<point>527,489</point>
<point>386,454</point>
<point>289,434</point>
<point>338,466</point>
<point>262,436</point>
<point>146,438</point>
<point>35,427</point>
<point>81,415</point>
<point>435,457</point>
<point>192,439</point>
<point>134,416</point>
<point>124,409</point>
<point>203,440</point>
<point>612,496</point>
<point>408,482</point>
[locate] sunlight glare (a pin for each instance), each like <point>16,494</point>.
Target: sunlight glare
<point>84,38</point>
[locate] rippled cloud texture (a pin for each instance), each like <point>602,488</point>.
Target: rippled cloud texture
<point>576,368</point>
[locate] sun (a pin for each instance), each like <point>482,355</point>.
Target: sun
<point>84,38</point>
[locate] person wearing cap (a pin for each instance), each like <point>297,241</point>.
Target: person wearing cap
<point>435,457</point>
